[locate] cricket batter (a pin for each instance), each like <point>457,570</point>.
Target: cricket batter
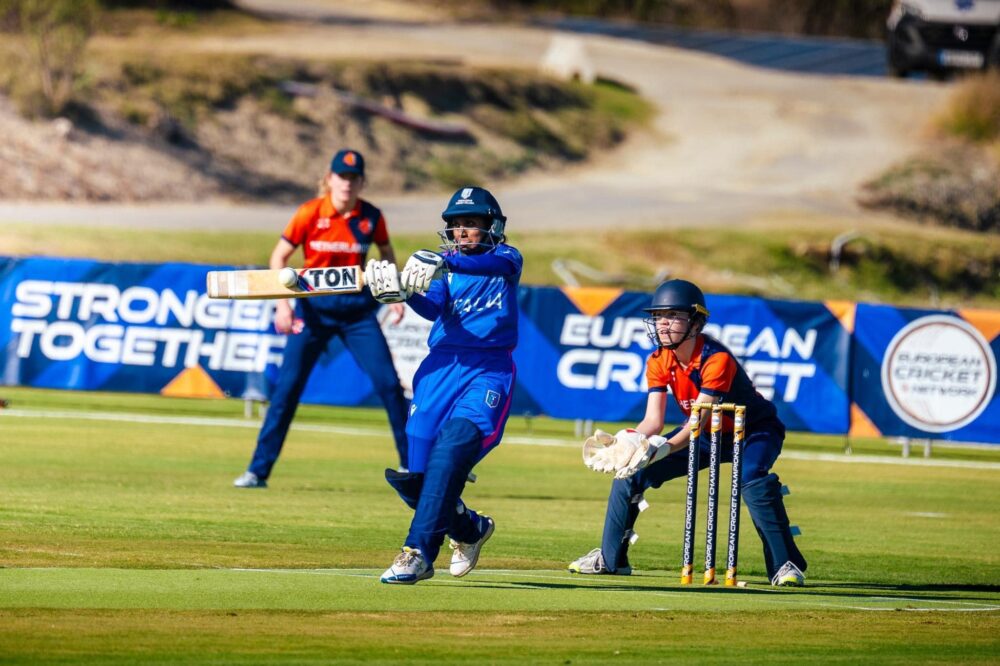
<point>462,390</point>
<point>698,368</point>
<point>335,229</point>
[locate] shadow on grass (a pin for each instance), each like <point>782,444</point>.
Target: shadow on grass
<point>945,591</point>
<point>530,585</point>
<point>599,586</point>
<point>970,592</point>
<point>948,587</point>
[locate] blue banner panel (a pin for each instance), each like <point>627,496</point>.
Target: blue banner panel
<point>583,359</point>
<point>79,324</point>
<point>927,374</point>
<point>583,351</point>
<point>83,324</point>
<point>795,352</point>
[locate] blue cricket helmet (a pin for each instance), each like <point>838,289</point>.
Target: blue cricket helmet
<point>477,202</point>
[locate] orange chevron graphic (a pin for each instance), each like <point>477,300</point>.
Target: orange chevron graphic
<point>592,300</point>
<point>861,425</point>
<point>193,383</point>
<point>986,322</point>
<point>844,311</point>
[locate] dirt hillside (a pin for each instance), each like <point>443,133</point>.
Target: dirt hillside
<point>729,143</point>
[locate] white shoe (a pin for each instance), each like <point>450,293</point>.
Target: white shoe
<point>249,480</point>
<point>464,559</point>
<point>593,563</point>
<point>789,575</point>
<point>408,568</point>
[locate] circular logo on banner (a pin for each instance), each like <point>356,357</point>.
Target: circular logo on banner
<point>938,373</point>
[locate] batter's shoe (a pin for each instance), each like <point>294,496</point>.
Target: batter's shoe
<point>249,480</point>
<point>593,563</point>
<point>408,568</point>
<point>466,555</point>
<point>789,575</point>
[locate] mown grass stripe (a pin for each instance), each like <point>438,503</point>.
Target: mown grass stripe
<point>201,421</point>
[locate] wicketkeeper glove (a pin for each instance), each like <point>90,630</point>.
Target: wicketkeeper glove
<point>623,454</point>
<point>422,268</point>
<point>382,278</point>
<point>594,446</point>
<point>654,445</point>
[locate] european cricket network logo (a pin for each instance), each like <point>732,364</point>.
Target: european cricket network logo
<point>939,373</point>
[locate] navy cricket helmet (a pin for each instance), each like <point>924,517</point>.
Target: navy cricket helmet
<point>679,295</point>
<point>477,202</point>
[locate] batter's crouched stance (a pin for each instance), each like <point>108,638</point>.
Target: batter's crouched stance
<point>698,368</point>
<point>462,390</point>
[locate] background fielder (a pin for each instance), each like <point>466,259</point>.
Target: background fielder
<point>462,390</point>
<point>698,368</point>
<point>335,229</point>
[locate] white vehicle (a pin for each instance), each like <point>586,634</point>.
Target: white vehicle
<point>939,36</point>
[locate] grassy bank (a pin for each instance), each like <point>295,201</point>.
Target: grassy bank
<point>261,128</point>
<point>783,258</point>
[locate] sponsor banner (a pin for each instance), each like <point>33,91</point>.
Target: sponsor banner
<point>79,324</point>
<point>337,378</point>
<point>582,354</point>
<point>926,374</point>
<point>795,352</point>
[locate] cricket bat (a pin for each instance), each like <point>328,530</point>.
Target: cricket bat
<point>285,283</point>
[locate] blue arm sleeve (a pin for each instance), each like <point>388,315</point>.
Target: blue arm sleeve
<point>429,305</point>
<point>505,264</point>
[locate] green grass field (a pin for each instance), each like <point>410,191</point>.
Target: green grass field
<point>122,541</point>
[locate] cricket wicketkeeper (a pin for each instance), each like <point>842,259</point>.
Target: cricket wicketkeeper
<point>462,390</point>
<point>695,368</point>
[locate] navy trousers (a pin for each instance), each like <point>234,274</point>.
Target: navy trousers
<point>761,494</point>
<point>440,510</point>
<point>363,338</point>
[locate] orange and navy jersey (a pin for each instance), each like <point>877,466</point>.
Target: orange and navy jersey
<point>330,238</point>
<point>713,370</point>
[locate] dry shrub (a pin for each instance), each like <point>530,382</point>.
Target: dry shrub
<point>956,181</point>
<point>55,33</point>
<point>972,111</point>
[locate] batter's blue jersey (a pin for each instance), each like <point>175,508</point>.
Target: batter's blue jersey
<point>469,372</point>
<point>475,306</point>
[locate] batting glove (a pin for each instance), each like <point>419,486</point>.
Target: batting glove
<point>422,268</point>
<point>382,278</point>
